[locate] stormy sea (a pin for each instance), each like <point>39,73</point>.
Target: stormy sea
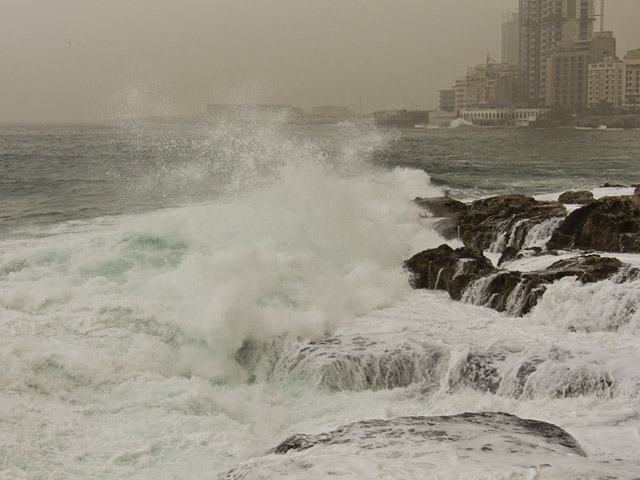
<point>257,300</point>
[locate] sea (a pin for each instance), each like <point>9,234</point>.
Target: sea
<point>157,279</point>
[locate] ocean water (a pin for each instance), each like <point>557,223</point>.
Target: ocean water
<point>156,281</point>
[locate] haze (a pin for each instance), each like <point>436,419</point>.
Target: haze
<point>88,61</point>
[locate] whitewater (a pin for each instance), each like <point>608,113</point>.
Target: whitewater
<point>158,293</point>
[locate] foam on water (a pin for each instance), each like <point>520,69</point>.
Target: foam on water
<point>121,334</point>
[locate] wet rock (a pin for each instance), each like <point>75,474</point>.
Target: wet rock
<point>505,220</point>
<point>580,197</point>
<point>444,268</point>
<point>373,362</point>
<point>530,373</point>
<point>468,275</point>
<point>442,206</point>
<point>610,224</point>
<point>414,447</point>
<point>613,185</point>
<point>637,191</point>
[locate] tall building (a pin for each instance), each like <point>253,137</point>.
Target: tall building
<point>510,37</point>
<point>567,72</point>
<point>632,79</point>
<point>543,25</point>
<point>605,82</point>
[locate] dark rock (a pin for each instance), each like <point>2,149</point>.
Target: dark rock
<point>613,185</point>
<point>507,216</point>
<point>467,274</point>
<point>437,268</point>
<point>485,441</point>
<point>637,191</point>
<point>512,253</point>
<point>442,206</point>
<point>581,197</point>
<point>610,224</point>
<point>586,269</point>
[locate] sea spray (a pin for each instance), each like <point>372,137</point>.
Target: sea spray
<point>305,247</point>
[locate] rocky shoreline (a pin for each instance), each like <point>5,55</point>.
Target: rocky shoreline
<point>579,237</point>
<point>508,225</point>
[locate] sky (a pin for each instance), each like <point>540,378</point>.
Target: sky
<point>68,61</point>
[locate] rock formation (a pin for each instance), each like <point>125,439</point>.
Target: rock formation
<point>580,197</point>
<point>610,224</point>
<point>496,444</point>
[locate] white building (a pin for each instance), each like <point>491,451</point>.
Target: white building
<point>605,82</point>
<point>632,79</point>
<point>503,115</point>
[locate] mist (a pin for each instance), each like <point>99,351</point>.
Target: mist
<point>78,61</point>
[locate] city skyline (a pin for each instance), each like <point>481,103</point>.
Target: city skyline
<point>80,62</point>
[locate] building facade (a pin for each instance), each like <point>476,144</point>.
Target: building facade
<point>605,83</point>
<point>510,37</point>
<point>447,100</point>
<point>543,25</point>
<point>632,80</point>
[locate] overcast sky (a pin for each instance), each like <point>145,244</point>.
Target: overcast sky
<point>90,60</point>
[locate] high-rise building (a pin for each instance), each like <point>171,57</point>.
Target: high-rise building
<point>510,37</point>
<point>568,69</point>
<point>632,79</point>
<point>543,25</point>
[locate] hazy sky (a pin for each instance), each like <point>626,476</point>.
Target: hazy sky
<point>89,60</point>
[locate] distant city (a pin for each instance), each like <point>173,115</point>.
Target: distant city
<point>556,67</point>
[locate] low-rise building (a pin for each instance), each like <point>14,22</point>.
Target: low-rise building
<point>503,115</point>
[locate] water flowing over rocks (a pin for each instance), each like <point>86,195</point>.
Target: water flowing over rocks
<point>505,220</point>
<point>482,444</point>
<point>468,275</point>
<point>542,372</point>
<point>444,268</point>
<point>374,362</point>
<point>610,224</point>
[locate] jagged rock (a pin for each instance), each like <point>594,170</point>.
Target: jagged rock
<point>372,362</point>
<point>637,191</point>
<point>512,253</point>
<point>540,373</point>
<point>504,220</point>
<point>442,206</point>
<point>468,275</point>
<point>580,197</point>
<point>444,268</point>
<point>610,224</point>
<point>613,185</point>
<point>415,447</point>
<point>518,292</point>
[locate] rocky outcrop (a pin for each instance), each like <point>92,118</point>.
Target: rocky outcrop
<point>442,206</point>
<point>550,373</point>
<point>414,447</point>
<point>468,275</point>
<point>579,197</point>
<point>372,362</point>
<point>444,268</point>
<point>610,224</point>
<point>499,222</point>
